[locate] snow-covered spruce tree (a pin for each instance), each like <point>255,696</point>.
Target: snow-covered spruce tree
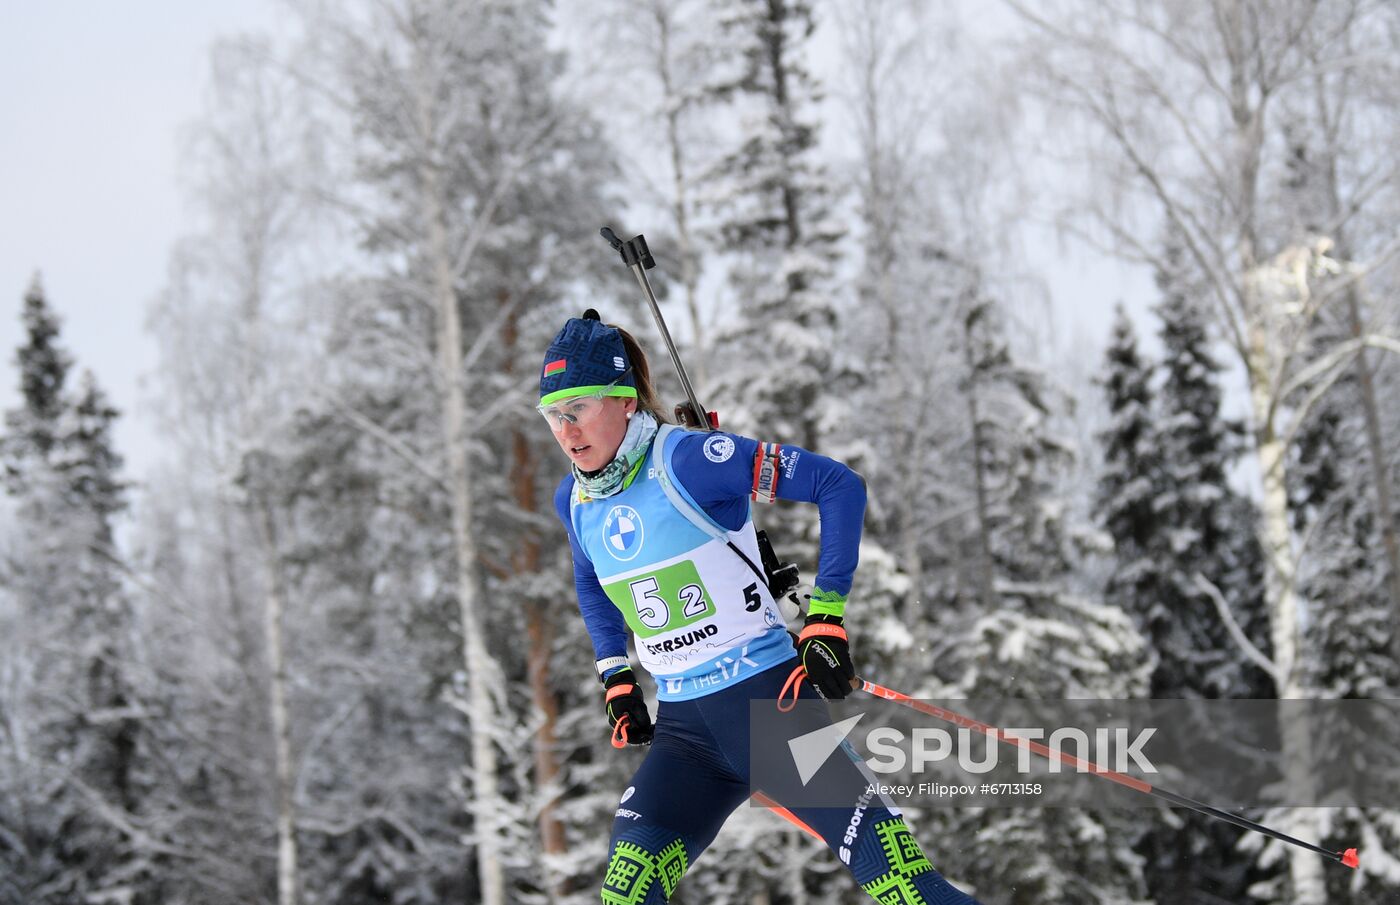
<point>1349,632</point>
<point>775,373</point>
<point>1035,639</point>
<point>1344,584</point>
<point>73,739</point>
<point>1207,526</point>
<point>1129,485</point>
<point>31,431</point>
<point>1019,522</point>
<point>771,197</point>
<point>1048,644</point>
<point>1172,515</point>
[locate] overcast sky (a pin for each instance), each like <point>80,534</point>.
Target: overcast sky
<point>93,96</point>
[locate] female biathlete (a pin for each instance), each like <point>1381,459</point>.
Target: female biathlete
<point>654,515</point>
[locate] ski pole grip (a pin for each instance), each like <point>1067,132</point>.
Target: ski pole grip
<point>640,253</point>
<point>634,250</point>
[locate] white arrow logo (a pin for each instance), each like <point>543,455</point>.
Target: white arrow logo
<point>810,751</point>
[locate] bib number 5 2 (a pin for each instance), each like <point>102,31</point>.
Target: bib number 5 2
<point>652,609</point>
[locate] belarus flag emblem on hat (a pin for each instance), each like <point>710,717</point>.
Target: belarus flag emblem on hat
<point>555,367</point>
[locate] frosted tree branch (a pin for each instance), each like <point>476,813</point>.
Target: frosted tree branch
<point>1188,226</point>
<point>1104,109</point>
<point>399,447</point>
<point>1250,651</point>
<point>122,822</point>
<point>323,732</point>
<point>516,396</point>
<point>1322,518</point>
<point>488,333</point>
<point>1337,357</point>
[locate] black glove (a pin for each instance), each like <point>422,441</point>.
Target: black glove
<point>826,656</point>
<point>627,711</point>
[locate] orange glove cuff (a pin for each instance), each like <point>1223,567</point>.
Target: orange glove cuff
<point>817,629</point>
<point>618,691</point>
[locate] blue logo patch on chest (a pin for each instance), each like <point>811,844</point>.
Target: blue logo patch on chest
<point>622,532</point>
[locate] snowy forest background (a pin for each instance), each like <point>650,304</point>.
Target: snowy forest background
<point>328,651</point>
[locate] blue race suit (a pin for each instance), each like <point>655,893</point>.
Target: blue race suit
<point>708,630</point>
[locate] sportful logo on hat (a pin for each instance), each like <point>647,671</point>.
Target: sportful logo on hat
<point>585,356</point>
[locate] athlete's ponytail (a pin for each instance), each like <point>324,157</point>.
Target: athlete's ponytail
<point>647,400</point>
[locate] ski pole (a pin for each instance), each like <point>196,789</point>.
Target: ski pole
<point>637,256</point>
<point>1348,857</point>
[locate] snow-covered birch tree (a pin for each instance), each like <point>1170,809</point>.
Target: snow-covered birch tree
<point>228,334</point>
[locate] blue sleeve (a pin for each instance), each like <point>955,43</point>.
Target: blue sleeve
<point>720,478</point>
<point>604,622</point>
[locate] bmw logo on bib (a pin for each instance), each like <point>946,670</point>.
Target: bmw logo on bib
<point>622,532</point>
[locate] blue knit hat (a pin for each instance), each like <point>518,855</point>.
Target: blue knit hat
<point>586,356</point>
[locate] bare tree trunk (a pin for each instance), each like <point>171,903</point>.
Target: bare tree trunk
<point>1305,868</point>
<point>1281,565</point>
<point>984,537</point>
<point>680,203</point>
<point>243,638</point>
<point>478,665</point>
<point>274,605</point>
<point>540,633</point>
